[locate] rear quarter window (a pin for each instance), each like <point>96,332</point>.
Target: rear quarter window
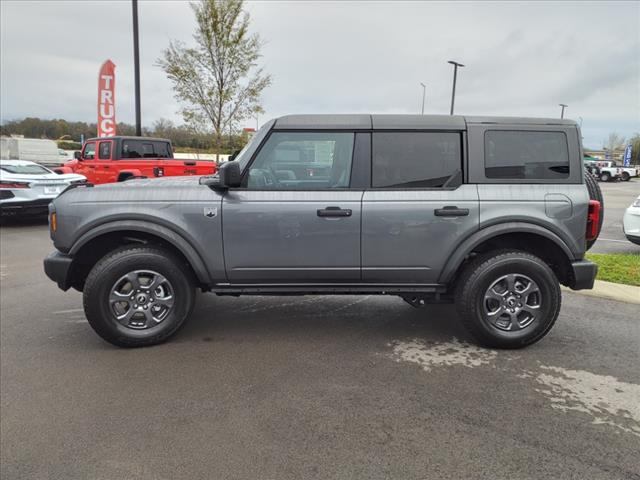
<point>528,155</point>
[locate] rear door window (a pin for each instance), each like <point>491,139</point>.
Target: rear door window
<point>104,151</point>
<point>416,160</point>
<point>526,155</point>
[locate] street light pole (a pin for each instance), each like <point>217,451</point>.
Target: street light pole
<point>424,92</point>
<point>136,61</point>
<point>455,75</point>
<point>562,111</point>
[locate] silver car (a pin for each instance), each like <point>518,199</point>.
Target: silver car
<point>631,222</point>
<point>27,188</point>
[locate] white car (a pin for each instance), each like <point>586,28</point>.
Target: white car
<point>27,188</point>
<point>631,222</point>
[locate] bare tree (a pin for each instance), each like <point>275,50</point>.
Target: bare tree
<point>217,81</point>
<point>614,142</point>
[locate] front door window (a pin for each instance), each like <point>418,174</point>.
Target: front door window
<point>303,161</point>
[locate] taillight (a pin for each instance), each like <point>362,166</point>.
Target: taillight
<point>593,219</point>
<point>14,185</point>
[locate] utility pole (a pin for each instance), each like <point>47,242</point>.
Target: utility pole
<point>136,61</point>
<point>424,92</point>
<point>562,111</point>
<point>455,75</point>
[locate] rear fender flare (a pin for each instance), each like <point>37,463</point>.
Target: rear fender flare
<point>467,246</point>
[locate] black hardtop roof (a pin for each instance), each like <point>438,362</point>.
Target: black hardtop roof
<point>402,121</point>
<point>128,137</point>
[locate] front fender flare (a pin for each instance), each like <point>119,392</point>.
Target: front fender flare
<point>168,235</point>
<point>467,246</point>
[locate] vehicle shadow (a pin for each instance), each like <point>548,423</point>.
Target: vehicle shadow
<point>313,318</point>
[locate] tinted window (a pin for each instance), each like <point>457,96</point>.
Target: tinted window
<point>25,169</point>
<point>104,152</point>
<point>526,155</point>
<point>416,160</point>
<point>161,149</point>
<point>89,151</point>
<point>303,160</point>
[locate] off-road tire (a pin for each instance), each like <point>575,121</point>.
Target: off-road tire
<point>479,275</point>
<point>120,262</point>
<point>594,194</point>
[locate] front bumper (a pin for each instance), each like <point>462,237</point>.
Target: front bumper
<point>583,275</point>
<point>57,266</point>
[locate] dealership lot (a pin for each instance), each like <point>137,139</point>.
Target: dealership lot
<point>314,387</point>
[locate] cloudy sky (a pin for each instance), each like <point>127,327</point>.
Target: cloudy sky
<point>523,58</point>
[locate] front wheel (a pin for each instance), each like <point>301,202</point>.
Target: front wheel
<point>138,296</point>
<point>605,177</point>
<point>508,299</point>
<point>626,177</point>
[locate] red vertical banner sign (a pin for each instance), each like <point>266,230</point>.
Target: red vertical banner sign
<point>107,100</point>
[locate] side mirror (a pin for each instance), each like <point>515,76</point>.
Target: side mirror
<point>230,175</point>
<point>77,155</point>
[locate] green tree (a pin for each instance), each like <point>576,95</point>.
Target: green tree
<point>217,81</point>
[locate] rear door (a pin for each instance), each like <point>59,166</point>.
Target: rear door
<point>418,209</point>
<point>297,219</point>
<point>105,170</point>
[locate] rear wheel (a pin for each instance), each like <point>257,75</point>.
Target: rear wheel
<point>605,177</point>
<point>138,296</point>
<point>508,299</point>
<point>594,194</point>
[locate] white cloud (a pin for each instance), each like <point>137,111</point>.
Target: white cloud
<point>522,58</point>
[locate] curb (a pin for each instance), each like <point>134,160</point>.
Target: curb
<point>611,291</point>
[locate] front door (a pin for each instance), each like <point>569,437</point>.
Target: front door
<point>297,219</point>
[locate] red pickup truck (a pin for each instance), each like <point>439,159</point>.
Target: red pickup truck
<point>115,159</point>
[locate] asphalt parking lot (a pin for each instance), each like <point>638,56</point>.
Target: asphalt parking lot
<point>313,387</point>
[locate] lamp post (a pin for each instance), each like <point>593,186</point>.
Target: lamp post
<point>424,92</point>
<point>562,111</point>
<point>455,75</point>
<point>136,62</point>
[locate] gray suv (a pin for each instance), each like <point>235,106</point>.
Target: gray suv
<point>490,213</point>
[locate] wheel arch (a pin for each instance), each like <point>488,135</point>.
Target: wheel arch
<point>100,240</point>
<point>517,235</point>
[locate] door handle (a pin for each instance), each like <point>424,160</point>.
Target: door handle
<point>451,211</point>
<point>190,164</point>
<point>334,212</point>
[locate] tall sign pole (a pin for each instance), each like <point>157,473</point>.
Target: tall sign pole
<point>107,100</point>
<point>136,61</point>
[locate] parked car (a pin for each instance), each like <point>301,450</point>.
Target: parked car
<point>631,222</point>
<point>612,171</point>
<point>116,159</point>
<point>27,188</point>
<point>491,213</point>
<point>38,150</point>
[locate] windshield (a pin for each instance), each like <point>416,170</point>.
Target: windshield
<point>245,154</point>
<point>25,169</point>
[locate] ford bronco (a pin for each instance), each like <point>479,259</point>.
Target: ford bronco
<point>116,159</point>
<point>490,213</point>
